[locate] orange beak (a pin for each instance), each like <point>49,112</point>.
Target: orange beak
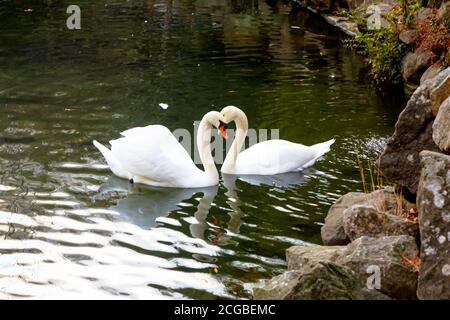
<point>223,129</point>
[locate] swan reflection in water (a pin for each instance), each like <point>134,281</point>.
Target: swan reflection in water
<point>233,201</point>
<point>144,204</point>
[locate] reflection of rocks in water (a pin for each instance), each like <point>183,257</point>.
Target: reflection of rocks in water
<point>12,231</point>
<point>244,6</point>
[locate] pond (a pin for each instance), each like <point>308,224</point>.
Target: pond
<point>69,229</point>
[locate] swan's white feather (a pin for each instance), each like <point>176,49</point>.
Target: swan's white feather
<point>152,155</point>
<point>113,163</point>
<point>278,156</point>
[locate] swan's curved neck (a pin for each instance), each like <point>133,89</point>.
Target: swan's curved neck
<point>239,139</point>
<point>204,149</point>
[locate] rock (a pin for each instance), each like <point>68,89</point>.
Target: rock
<point>299,257</point>
<point>362,220</point>
<point>323,281</point>
<point>409,36</point>
<point>423,14</point>
<point>374,16</point>
<point>443,14</point>
<point>344,24</point>
<point>333,232</point>
<point>441,127</point>
<point>439,94</point>
<point>374,214</point>
<point>398,279</point>
<point>433,71</point>
<point>415,63</point>
<point>364,255</point>
<point>281,287</point>
<point>399,162</point>
<point>354,4</point>
<point>433,201</point>
<point>319,5</point>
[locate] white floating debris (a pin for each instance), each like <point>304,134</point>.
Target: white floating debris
<point>6,188</point>
<point>295,27</point>
<point>163,105</point>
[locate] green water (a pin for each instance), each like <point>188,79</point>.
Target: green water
<point>68,229</point>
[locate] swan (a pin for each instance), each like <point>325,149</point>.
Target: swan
<point>268,157</point>
<point>152,155</point>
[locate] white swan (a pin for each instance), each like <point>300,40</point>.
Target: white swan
<point>153,156</point>
<point>267,157</point>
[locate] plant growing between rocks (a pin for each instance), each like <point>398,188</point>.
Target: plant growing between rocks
<point>384,53</point>
<point>433,36</point>
<point>374,182</point>
<point>385,47</point>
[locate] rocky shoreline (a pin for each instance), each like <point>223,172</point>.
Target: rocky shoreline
<point>392,243</point>
<point>421,32</point>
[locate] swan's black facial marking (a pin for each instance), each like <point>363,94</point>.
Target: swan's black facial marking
<point>131,181</point>
<point>223,124</point>
<point>223,129</point>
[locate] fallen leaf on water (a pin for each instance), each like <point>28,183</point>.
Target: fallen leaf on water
<point>215,220</point>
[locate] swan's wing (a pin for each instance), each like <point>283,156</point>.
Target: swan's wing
<point>154,153</point>
<point>143,130</point>
<point>273,157</point>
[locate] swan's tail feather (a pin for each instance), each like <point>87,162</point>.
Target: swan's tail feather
<point>323,147</point>
<point>320,149</point>
<point>113,164</point>
<point>107,154</point>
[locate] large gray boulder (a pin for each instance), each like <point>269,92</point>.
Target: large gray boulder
<point>439,94</point>
<point>441,126</point>
<point>415,63</point>
<point>388,255</point>
<point>323,281</point>
<point>433,201</point>
<point>398,278</point>
<point>332,231</point>
<point>409,36</point>
<point>399,161</point>
<point>375,16</point>
<point>375,214</point>
<point>299,257</point>
<point>433,70</point>
<point>363,220</point>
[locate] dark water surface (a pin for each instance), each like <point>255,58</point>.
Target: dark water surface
<point>68,229</point>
